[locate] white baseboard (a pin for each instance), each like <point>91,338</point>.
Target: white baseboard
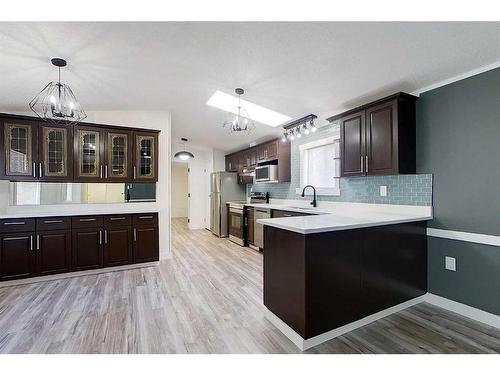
<point>464,310</point>
<point>304,344</point>
<point>38,279</point>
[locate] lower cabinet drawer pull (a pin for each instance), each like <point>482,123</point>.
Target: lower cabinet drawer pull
<point>135,235</point>
<point>52,221</point>
<point>145,217</point>
<point>15,223</point>
<point>87,219</point>
<point>117,218</point>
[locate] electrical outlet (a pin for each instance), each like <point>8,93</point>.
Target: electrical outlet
<point>450,263</point>
<point>383,191</point>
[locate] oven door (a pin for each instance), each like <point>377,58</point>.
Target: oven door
<point>236,226</point>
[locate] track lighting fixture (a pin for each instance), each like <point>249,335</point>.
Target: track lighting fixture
<point>296,128</point>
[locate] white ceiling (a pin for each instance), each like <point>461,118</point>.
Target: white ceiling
<point>292,68</point>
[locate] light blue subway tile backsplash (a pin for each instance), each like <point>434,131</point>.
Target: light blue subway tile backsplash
<point>401,189</point>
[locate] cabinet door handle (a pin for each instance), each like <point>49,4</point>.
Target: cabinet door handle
<point>362,165</point>
<point>15,223</point>
<point>31,242</point>
<point>134,173</point>
<point>117,218</point>
<point>105,236</point>
<point>106,171</point>
<point>34,169</point>
<point>40,169</point>
<point>135,234</point>
<point>100,237</point>
<point>145,217</point>
<point>38,242</point>
<point>100,171</point>
<point>88,219</point>
<point>52,221</point>
<point>366,159</point>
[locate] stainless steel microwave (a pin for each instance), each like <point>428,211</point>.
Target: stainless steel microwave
<point>266,173</point>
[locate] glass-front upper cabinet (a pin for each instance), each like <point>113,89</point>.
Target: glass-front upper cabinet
<point>56,152</point>
<point>145,156</point>
<point>20,155</point>
<point>89,157</point>
<point>118,164</point>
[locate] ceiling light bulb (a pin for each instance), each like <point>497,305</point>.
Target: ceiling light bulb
<point>283,139</point>
<point>306,131</point>
<point>292,137</point>
<point>299,135</point>
<point>314,128</point>
<point>183,157</point>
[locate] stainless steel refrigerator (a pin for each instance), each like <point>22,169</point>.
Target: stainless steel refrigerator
<point>224,188</point>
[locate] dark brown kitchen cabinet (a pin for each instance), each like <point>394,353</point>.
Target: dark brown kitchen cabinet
<point>87,248</point>
<point>118,156</point>
<point>352,146</point>
<point>53,252</point>
<point>89,154</point>
<point>52,245</point>
<point>145,237</point>
<point>378,138</point>
<point>273,152</point>
<point>55,149</point>
<point>145,244</point>
<point>145,156</point>
<point>16,255</point>
<point>117,246</point>
<point>232,163</point>
<point>19,153</point>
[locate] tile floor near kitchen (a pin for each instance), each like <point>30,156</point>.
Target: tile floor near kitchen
<point>206,299</point>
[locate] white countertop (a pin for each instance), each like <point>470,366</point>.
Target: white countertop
<point>66,212</point>
<point>333,216</point>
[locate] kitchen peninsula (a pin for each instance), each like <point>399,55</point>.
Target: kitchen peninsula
<point>327,274</point>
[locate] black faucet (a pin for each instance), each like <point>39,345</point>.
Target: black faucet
<point>313,203</point>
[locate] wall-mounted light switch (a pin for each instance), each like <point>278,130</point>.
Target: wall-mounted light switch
<point>450,263</point>
<point>383,191</point>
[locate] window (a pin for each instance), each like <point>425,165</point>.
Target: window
<point>320,166</point>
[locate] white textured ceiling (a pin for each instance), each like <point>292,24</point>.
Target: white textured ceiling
<point>293,68</point>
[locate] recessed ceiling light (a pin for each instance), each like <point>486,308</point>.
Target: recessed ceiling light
<point>229,103</point>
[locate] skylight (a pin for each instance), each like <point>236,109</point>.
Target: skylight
<point>229,103</point>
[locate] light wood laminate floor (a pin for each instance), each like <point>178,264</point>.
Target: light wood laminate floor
<point>206,299</point>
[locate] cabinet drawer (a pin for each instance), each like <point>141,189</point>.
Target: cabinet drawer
<point>17,225</point>
<point>113,221</point>
<point>86,221</point>
<point>53,223</point>
<point>145,219</point>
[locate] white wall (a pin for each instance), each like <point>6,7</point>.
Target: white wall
<point>159,120</point>
<point>219,161</point>
<point>179,190</point>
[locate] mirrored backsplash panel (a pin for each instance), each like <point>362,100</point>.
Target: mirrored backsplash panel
<point>46,193</point>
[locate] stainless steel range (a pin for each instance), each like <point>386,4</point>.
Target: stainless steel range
<point>236,222</point>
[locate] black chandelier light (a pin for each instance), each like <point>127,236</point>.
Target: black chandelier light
<point>241,124</point>
<point>183,155</point>
<point>295,129</point>
<point>56,102</point>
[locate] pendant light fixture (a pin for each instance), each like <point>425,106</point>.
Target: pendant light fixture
<point>56,102</point>
<point>183,155</point>
<point>241,124</point>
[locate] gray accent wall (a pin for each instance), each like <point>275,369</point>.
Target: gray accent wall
<point>458,141</point>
